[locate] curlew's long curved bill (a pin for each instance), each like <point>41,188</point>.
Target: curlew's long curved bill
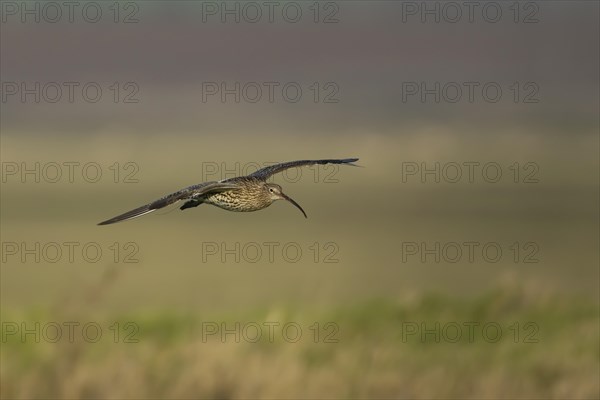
<point>294,203</point>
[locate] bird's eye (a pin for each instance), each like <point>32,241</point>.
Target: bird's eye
<point>271,190</point>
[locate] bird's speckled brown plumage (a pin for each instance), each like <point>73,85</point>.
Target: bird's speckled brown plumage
<point>251,195</point>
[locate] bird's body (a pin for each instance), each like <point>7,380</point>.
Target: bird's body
<point>241,194</point>
<point>250,195</point>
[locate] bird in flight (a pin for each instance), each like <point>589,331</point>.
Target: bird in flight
<point>243,193</point>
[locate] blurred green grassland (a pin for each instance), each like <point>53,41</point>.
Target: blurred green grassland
<point>370,354</point>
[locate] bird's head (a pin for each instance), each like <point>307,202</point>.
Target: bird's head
<point>275,192</point>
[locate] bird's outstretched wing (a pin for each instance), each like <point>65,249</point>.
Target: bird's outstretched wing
<point>189,192</point>
<point>267,172</point>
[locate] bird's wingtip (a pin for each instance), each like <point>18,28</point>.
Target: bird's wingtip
<point>351,161</point>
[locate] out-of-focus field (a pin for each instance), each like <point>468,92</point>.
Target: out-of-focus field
<point>373,293</point>
<point>366,354</point>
